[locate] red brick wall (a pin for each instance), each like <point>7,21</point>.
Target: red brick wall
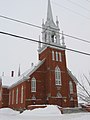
<point>5,98</point>
<point>18,105</point>
<point>0,96</point>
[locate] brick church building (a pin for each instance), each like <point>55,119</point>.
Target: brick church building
<point>49,81</point>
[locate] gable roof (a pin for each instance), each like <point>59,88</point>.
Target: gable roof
<point>9,82</point>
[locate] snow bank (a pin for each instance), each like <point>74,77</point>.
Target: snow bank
<point>8,111</point>
<point>49,110</point>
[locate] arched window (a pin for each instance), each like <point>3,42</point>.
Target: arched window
<point>17,96</point>
<point>22,94</point>
<point>33,85</point>
<point>57,76</point>
<point>56,56</point>
<point>53,57</point>
<point>71,87</point>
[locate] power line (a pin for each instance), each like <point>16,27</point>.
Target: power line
<point>33,40</point>
<point>78,5</point>
<point>19,21</point>
<point>71,10</point>
<point>33,25</point>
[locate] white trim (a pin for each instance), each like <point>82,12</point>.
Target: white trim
<point>22,94</point>
<point>56,56</point>
<point>60,56</point>
<point>49,46</point>
<point>17,96</point>
<point>53,56</point>
<point>12,97</point>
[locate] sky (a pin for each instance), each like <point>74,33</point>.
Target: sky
<point>74,19</point>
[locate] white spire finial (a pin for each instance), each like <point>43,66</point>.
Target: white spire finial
<point>49,12</point>
<point>19,72</point>
<point>42,21</point>
<point>39,45</point>
<point>63,43</point>
<point>57,22</point>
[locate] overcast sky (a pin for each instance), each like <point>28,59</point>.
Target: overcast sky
<point>74,18</point>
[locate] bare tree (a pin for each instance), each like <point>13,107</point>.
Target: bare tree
<point>84,89</point>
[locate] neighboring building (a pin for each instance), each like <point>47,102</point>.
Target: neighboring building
<point>48,82</point>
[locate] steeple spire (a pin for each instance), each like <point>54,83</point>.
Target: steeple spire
<point>49,12</point>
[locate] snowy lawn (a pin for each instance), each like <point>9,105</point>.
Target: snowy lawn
<point>49,113</point>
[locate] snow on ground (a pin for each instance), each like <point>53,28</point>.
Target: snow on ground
<point>49,113</point>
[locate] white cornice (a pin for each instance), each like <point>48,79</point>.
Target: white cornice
<point>48,46</point>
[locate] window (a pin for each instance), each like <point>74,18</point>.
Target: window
<point>22,94</point>
<point>53,55</point>
<point>71,87</point>
<point>57,76</point>
<point>9,97</point>
<point>17,96</point>
<point>56,56</point>
<point>33,85</point>
<point>12,96</point>
<point>60,57</point>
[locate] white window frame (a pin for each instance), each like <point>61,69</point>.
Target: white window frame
<point>17,96</point>
<point>56,56</point>
<point>53,57</point>
<point>60,57</point>
<point>12,96</point>
<point>33,85</point>
<point>57,76</point>
<point>22,94</point>
<point>71,87</point>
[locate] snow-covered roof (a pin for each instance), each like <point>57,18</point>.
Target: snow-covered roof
<point>9,82</point>
<point>72,76</point>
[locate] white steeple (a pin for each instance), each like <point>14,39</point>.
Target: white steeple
<point>49,12</point>
<point>50,30</point>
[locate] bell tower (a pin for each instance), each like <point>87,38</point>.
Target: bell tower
<point>50,31</point>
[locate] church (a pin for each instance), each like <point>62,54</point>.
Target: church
<point>49,81</point>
